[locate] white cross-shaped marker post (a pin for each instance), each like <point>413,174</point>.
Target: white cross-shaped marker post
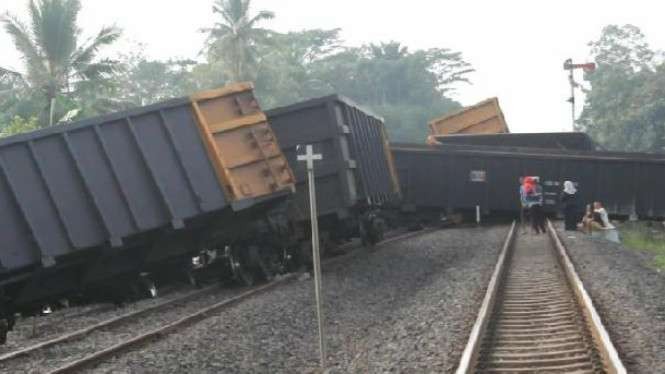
<point>310,157</point>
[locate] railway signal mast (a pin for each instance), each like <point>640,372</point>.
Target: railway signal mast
<point>309,157</point>
<point>568,65</point>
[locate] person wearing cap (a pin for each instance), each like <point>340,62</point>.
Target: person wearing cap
<point>532,195</point>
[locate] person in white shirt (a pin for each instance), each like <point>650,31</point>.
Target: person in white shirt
<point>601,217</point>
<point>601,222</point>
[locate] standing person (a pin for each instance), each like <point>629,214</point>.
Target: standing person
<point>569,201</point>
<point>534,198</point>
<point>523,205</point>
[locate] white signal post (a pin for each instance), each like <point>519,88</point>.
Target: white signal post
<point>310,157</point>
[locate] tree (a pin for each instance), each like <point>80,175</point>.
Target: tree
<point>407,88</point>
<point>286,72</point>
<point>623,47</point>
<point>18,125</point>
<point>56,61</point>
<point>625,108</point>
<point>235,38</point>
<point>142,81</point>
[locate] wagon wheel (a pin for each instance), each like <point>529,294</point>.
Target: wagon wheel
<point>372,230</point>
<point>378,229</point>
<point>192,279</point>
<point>240,269</point>
<point>4,330</point>
<point>365,230</point>
<point>305,254</point>
<point>145,287</point>
<point>262,263</point>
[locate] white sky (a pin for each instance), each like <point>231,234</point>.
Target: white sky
<point>517,47</point>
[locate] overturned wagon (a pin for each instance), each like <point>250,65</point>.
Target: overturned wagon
<point>356,175</point>
<point>93,203</point>
<point>460,177</point>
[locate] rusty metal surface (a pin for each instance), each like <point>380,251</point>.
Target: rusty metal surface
<point>485,117</point>
<point>243,147</point>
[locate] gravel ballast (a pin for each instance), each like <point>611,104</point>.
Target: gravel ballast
<point>406,307</point>
<point>50,358</point>
<point>628,294</point>
<point>32,330</point>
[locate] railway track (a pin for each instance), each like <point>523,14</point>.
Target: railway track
<point>536,316</point>
<point>64,354</point>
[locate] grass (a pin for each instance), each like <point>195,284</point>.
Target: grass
<point>646,236</point>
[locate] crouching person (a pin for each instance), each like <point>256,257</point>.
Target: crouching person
<point>601,223</point>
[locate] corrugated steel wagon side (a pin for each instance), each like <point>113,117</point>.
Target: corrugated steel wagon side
<point>555,140</point>
<point>357,166</point>
<point>105,183</point>
<point>459,177</point>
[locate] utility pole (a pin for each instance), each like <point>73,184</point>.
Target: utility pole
<point>310,157</point>
<point>568,65</point>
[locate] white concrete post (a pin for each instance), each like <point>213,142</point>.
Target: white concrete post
<point>309,157</point>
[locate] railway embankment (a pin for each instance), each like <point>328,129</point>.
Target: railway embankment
<point>406,307</point>
<point>629,293</point>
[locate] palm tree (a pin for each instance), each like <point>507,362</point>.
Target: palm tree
<point>235,37</point>
<point>56,61</point>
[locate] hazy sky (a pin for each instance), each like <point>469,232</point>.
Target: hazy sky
<point>516,47</point>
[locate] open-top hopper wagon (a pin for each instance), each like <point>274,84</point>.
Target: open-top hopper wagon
<point>93,204</point>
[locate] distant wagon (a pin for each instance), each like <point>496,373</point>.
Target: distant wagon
<point>454,177</point>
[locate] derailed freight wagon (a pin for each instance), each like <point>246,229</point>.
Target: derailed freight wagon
<point>485,117</point>
<point>356,175</point>
<point>449,178</point>
<point>92,204</point>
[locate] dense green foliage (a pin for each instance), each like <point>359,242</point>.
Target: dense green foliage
<point>406,87</point>
<point>59,68</point>
<point>625,108</point>
<point>18,125</point>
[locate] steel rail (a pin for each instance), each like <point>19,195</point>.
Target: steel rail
<point>5,358</point>
<point>537,318</point>
<point>103,324</point>
<point>162,331</point>
<point>470,354</point>
<point>604,344</point>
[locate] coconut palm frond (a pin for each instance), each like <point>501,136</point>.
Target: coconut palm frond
<point>86,54</point>
<point>24,43</point>
<point>98,70</point>
<point>263,15</point>
<point>55,30</point>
